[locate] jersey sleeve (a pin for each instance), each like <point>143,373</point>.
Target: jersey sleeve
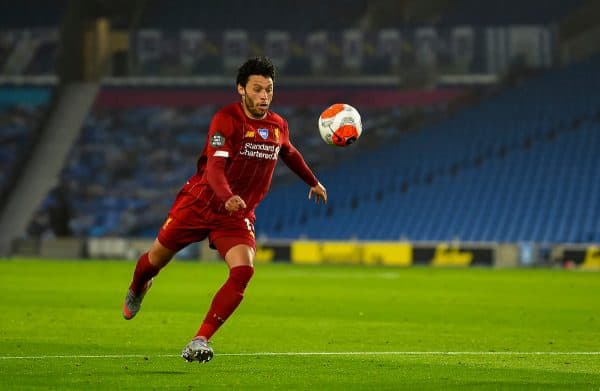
<point>220,136</point>
<point>219,149</point>
<point>295,161</point>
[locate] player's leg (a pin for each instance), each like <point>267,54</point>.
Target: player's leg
<point>149,264</point>
<point>179,230</point>
<point>147,267</point>
<point>239,255</point>
<point>240,260</point>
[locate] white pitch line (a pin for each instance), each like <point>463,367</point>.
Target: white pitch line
<point>505,353</point>
<point>409,353</point>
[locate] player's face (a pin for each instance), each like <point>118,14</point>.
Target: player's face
<point>256,95</point>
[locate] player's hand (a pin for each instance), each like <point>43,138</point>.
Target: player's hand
<point>235,203</point>
<point>319,192</point>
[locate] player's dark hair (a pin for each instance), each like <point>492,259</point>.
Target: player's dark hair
<point>255,66</point>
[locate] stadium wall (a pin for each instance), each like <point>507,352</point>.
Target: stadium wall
<point>366,97</point>
<point>367,253</point>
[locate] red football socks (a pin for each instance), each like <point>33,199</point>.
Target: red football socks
<point>144,271</point>
<point>226,300</point>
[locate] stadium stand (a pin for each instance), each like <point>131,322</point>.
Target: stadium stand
<point>44,59</point>
<point>6,47</point>
<point>21,111</point>
<point>307,15</point>
<point>517,167</point>
<point>32,14</point>
<point>473,12</point>
<point>127,165</point>
<point>522,166</point>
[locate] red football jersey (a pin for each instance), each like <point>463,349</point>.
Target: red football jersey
<point>251,147</point>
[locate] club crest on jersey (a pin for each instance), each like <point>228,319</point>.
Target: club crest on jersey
<point>217,140</point>
<point>264,133</point>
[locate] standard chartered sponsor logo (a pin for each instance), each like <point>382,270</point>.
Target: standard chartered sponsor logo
<point>260,151</point>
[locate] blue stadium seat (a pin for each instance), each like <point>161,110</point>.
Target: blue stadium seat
<point>518,167</point>
<point>21,113</point>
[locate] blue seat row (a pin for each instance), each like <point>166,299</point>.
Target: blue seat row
<point>521,166</point>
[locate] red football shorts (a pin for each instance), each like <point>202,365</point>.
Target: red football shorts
<point>192,221</point>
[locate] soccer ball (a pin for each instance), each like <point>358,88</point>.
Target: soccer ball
<point>340,125</point>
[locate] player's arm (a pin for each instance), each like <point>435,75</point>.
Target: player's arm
<point>218,153</point>
<point>215,173</point>
<point>294,160</point>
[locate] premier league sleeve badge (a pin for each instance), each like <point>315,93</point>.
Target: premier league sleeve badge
<point>217,140</point>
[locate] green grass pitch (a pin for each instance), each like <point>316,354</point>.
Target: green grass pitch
<point>301,327</point>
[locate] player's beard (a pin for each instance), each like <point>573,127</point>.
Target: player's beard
<point>252,108</point>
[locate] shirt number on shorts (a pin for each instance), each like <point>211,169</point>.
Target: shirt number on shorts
<point>249,225</point>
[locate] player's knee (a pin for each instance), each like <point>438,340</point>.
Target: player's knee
<point>159,255</point>
<point>241,275</point>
